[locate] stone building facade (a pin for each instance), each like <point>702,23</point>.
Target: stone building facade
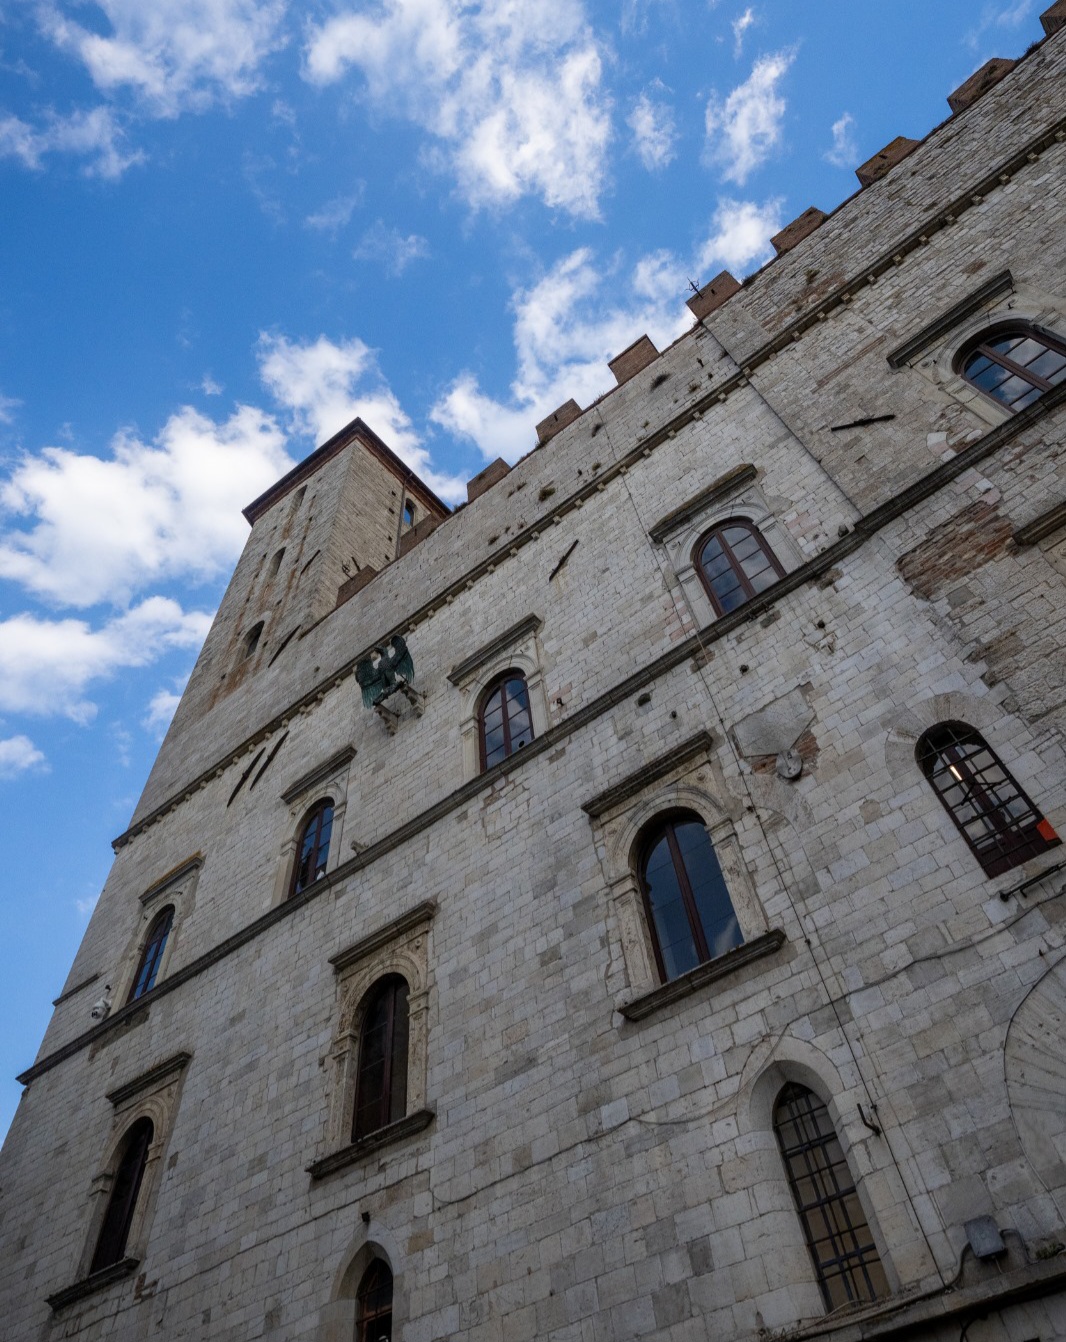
<point>821,1093</point>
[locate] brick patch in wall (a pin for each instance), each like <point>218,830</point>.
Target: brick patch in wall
<point>964,543</point>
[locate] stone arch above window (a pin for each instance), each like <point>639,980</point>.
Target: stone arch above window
<point>325,784</point>
<point>735,563</point>
<point>1013,364</point>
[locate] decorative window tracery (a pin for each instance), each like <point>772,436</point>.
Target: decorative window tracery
<point>312,847</point>
<point>1015,365</point>
<point>111,1241</point>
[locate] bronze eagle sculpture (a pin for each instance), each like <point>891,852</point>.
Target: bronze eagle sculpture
<point>393,671</point>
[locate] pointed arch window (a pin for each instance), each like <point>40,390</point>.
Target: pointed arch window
<point>1015,365</point>
<point>152,955</point>
<point>993,814</point>
<point>845,1258</point>
<point>312,847</point>
<point>111,1242</point>
<point>381,1082</point>
<point>736,563</point>
<point>505,723</point>
<point>689,910</point>
<point>373,1308</point>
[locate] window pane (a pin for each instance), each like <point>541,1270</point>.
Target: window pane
<point>715,908</point>
<point>671,923</point>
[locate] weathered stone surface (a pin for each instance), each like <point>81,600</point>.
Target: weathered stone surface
<point>795,232</point>
<point>885,160</point>
<point>775,728</point>
<point>554,423</point>
<point>484,480</point>
<point>979,83</point>
<point>711,297</point>
<point>632,359</point>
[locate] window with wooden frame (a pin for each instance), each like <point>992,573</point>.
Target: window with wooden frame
<point>842,1248</point>
<point>152,954</point>
<point>111,1241</point>
<point>735,563</point>
<point>312,847</point>
<point>994,815</point>
<point>505,722</point>
<point>689,910</point>
<point>381,1082</point>
<point>1015,365</point>
<point>373,1308</point>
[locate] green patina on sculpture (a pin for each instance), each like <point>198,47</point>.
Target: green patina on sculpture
<point>394,670</point>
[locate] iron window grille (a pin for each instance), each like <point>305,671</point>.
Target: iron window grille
<point>505,723</point>
<point>111,1242</point>
<point>685,897</point>
<point>373,1311</point>
<point>845,1258</point>
<point>993,814</point>
<point>1015,366</point>
<point>381,1080</point>
<point>735,563</point>
<point>152,955</point>
<point>312,848</point>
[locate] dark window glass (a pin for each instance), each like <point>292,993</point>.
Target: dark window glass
<point>506,722</point>
<point>996,818</point>
<point>111,1244</point>
<point>688,905</point>
<point>373,1311</point>
<point>312,849</point>
<point>152,955</point>
<point>736,564</point>
<point>1015,367</point>
<point>842,1248</point>
<point>381,1083</point>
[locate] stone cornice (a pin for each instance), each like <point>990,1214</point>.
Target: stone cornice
<point>721,489</point>
<point>154,1076</point>
<point>947,321</point>
<point>713,971</point>
<point>462,671</point>
<point>97,1281</point>
<point>318,774</point>
<point>354,1152</point>
<point>649,773</point>
<point>423,913</point>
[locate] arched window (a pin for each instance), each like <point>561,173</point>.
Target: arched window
<point>111,1242</point>
<point>842,1247</point>
<point>505,722</point>
<point>152,955</point>
<point>275,562</point>
<point>688,906</point>
<point>312,847</point>
<point>408,513</point>
<point>251,639</point>
<point>996,818</point>
<point>735,563</point>
<point>1015,365</point>
<point>373,1307</point>
<point>381,1082</point>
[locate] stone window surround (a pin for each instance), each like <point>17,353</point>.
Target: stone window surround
<point>400,947</point>
<point>516,649</point>
<point>178,889</point>
<point>154,1095</point>
<point>685,778</point>
<point>736,495</point>
<point>934,352</point>
<point>327,779</point>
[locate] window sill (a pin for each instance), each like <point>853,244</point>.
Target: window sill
<point>696,979</point>
<point>96,1281</point>
<point>352,1154</point>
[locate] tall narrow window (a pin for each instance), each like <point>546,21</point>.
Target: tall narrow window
<point>736,563</point>
<point>111,1242</point>
<point>688,905</point>
<point>381,1084</point>
<point>842,1248</point>
<point>408,513</point>
<point>1015,366</point>
<point>152,955</point>
<point>251,639</point>
<point>996,818</point>
<point>373,1309</point>
<point>505,721</point>
<point>312,847</point>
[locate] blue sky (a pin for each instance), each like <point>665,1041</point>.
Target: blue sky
<point>228,226</point>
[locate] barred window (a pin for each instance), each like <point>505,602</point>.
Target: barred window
<point>1014,366</point>
<point>111,1242</point>
<point>381,1085</point>
<point>994,815</point>
<point>841,1246</point>
<point>152,955</point>
<point>373,1310</point>
<point>312,847</point>
<point>735,563</point>
<point>689,910</point>
<point>505,722</point>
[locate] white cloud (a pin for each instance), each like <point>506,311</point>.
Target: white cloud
<point>389,246</point>
<point>8,405</point>
<point>94,134</point>
<point>510,92</point>
<point>654,132</point>
<point>101,529</point>
<point>743,131</point>
<point>741,237</point>
<point>740,27</point>
<point>46,666</point>
<point>1012,14</point>
<point>844,151</point>
<point>176,55</point>
<point>17,754</point>
<point>210,387</point>
<point>326,385</point>
<point>336,213</point>
<point>161,709</point>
